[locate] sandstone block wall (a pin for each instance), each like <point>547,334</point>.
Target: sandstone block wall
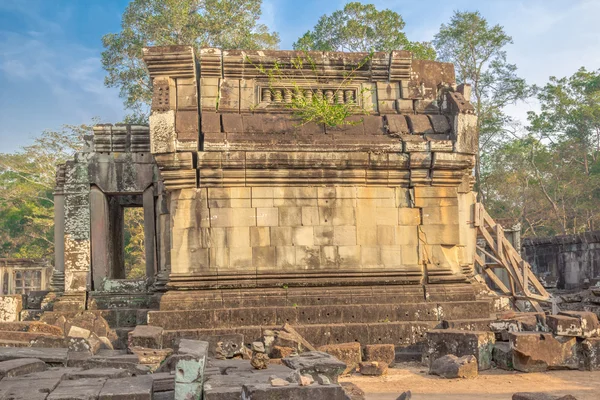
<point>273,230</point>
<point>573,261</point>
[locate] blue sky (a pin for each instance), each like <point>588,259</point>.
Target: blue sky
<point>50,71</point>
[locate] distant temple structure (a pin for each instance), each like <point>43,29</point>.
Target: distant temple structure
<point>254,217</point>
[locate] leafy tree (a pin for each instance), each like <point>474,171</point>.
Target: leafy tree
<point>478,53</point>
<point>361,27</point>
<point>27,180</point>
<point>569,121</point>
<point>227,24</point>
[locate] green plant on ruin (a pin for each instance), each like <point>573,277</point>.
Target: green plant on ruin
<point>310,104</point>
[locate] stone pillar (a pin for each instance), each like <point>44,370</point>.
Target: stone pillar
<point>101,249</point>
<point>163,241</point>
<point>57,283</point>
<point>149,232</point>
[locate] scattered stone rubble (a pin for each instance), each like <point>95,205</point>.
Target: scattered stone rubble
<point>526,342</point>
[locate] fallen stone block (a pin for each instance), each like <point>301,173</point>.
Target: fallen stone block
<point>564,325</point>
<point>275,381</point>
<point>293,391</point>
<point>502,356</point>
<point>383,353</point>
<point>56,356</point>
<point>451,367</point>
<point>88,388</point>
<point>163,382</point>
<point>590,352</point>
<point>352,391</point>
<point>281,352</point>
<point>540,396</point>
<point>169,395</point>
<point>536,352</point>
<point>315,363</point>
<point>99,373</point>
<point>590,327</point>
<point>27,389</point>
<point>348,353</point>
<point>441,342</point>
<point>152,357</point>
<point>130,362</point>
<point>147,336</point>
<point>77,332</point>
<point>189,372</point>
<point>21,366</point>
<point>131,388</point>
<point>405,395</point>
<point>372,368</point>
<point>50,342</point>
<point>78,359</point>
<point>259,360</point>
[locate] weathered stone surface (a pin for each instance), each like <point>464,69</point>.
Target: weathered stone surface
<point>147,336</point>
<point>130,388</point>
<point>88,388</point>
<point>189,372</point>
<point>502,356</point>
<point>21,366</point>
<point>348,353</point>
<point>441,342</point>
<point>540,396</point>
<point>293,392</point>
<point>590,352</point>
<point>10,307</point>
<point>48,355</point>
<point>275,381</point>
<point>450,367</point>
<point>352,391</point>
<point>590,327</point>
<point>259,360</point>
<point>99,373</point>
<point>281,352</point>
<point>315,363</point>
<point>563,325</point>
<point>373,368</point>
<point>534,352</point>
<point>151,357</point>
<point>383,353</point>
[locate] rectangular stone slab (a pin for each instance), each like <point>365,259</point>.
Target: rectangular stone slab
<point>85,389</point>
<point>133,388</point>
<point>21,366</point>
<point>48,355</point>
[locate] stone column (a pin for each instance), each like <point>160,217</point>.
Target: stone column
<point>101,252</point>
<point>58,274</point>
<point>149,233</point>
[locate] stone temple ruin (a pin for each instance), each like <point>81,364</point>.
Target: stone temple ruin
<point>350,237</point>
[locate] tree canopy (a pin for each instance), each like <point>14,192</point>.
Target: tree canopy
<point>27,180</point>
<point>230,24</point>
<point>361,27</point>
<point>478,52</point>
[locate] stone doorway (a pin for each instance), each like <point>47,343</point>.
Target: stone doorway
<point>110,214</point>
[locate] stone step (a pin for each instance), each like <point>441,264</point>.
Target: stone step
<point>23,336</point>
<point>116,318</point>
<point>31,314</point>
<point>14,343</point>
<point>30,326</point>
<point>323,314</point>
<point>393,294</point>
<point>476,324</point>
<point>107,300</point>
<point>397,333</point>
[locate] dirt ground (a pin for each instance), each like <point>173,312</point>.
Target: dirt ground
<point>493,384</point>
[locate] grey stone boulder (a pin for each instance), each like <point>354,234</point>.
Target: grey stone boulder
<point>450,367</point>
<point>316,362</point>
